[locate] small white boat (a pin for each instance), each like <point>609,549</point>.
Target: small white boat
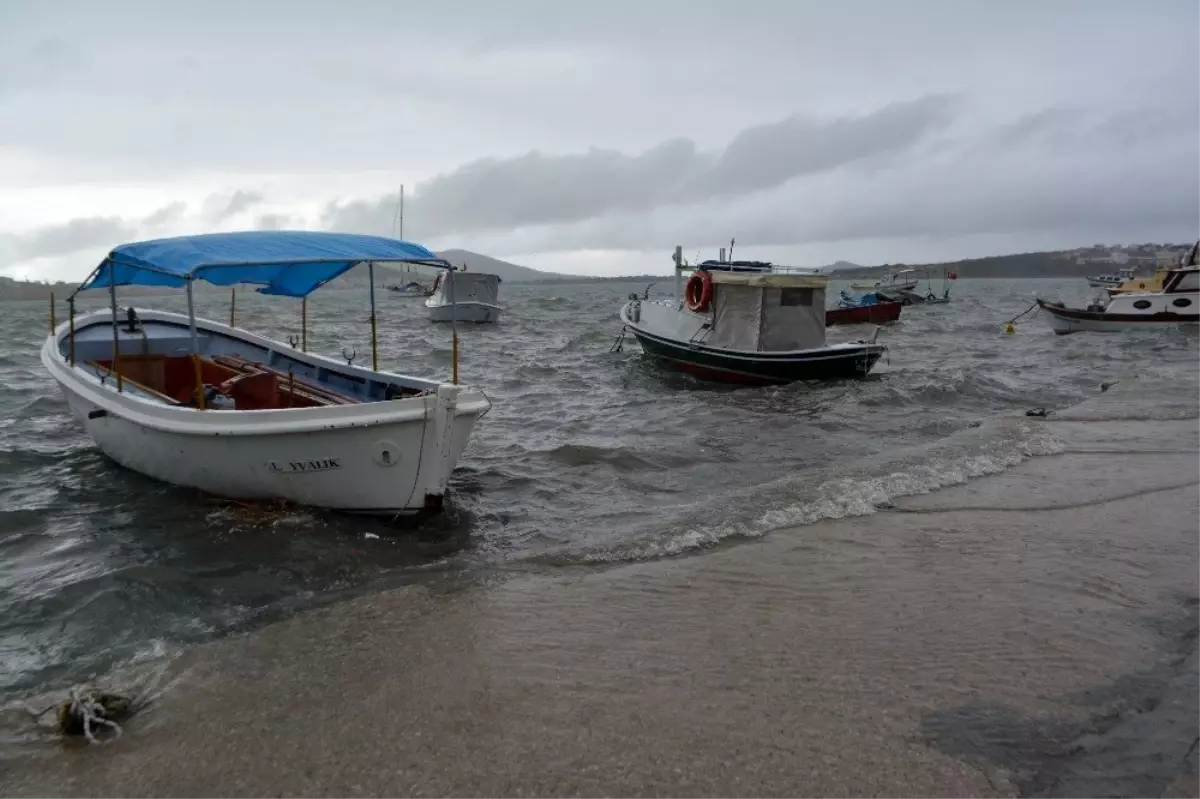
<point>904,280</point>
<point>1110,281</point>
<point>1177,303</point>
<point>214,407</point>
<point>473,299</point>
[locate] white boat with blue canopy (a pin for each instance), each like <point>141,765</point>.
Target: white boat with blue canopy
<point>199,403</point>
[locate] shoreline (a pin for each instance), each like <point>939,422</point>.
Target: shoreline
<point>1031,632</point>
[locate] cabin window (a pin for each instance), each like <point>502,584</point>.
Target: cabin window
<point>1189,282</point>
<point>1181,302</point>
<point>796,297</point>
<point>1141,304</point>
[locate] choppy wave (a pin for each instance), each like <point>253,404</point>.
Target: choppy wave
<point>589,457</point>
<point>854,489</point>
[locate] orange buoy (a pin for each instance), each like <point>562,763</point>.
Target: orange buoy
<point>699,291</point>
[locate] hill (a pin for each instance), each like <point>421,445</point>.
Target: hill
<point>1056,263</point>
<point>509,273</point>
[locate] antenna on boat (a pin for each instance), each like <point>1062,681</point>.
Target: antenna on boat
<point>678,258</point>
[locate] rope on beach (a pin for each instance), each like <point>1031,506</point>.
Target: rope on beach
<point>92,708</point>
<point>87,711</point>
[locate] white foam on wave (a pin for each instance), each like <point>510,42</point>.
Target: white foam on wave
<point>852,490</point>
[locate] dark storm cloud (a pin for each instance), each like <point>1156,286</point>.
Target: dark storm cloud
<point>537,188</point>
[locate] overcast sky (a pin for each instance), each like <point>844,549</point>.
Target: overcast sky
<point>594,137</point>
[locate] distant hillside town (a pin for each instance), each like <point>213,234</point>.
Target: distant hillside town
<point>1151,255</point>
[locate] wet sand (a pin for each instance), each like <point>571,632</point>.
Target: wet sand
<point>1029,633</point>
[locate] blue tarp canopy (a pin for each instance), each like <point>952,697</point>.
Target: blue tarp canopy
<point>289,263</point>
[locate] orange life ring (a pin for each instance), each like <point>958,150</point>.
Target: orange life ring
<point>699,291</point>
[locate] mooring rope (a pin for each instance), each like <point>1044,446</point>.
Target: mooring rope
<point>1022,313</point>
<point>89,710</point>
<point>616,347</point>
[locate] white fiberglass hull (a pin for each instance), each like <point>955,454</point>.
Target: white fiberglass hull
<point>479,312</point>
<point>871,285</point>
<point>384,457</point>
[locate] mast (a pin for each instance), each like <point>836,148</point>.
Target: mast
<point>678,258</point>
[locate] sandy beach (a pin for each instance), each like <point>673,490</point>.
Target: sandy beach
<point>1027,633</point>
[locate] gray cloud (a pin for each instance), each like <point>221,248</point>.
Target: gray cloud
<point>172,212</point>
<point>278,222</point>
<point>536,188</point>
<point>220,207</point>
<point>1047,172</point>
<point>72,236</point>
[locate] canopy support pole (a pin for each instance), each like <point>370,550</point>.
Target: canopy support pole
<point>304,324</point>
<point>232,304</point>
<point>195,348</point>
<point>112,300</point>
<point>374,337</point>
<point>52,325</point>
<point>453,329</point>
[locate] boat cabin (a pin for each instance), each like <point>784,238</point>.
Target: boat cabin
<point>468,287</point>
<point>764,312</point>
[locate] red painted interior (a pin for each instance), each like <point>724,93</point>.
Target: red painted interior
<point>252,386</point>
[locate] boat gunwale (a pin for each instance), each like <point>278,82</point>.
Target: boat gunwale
<point>156,415</point>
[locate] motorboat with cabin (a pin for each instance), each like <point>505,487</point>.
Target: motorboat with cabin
<point>1111,281</point>
<point>471,297</point>
<point>1177,303</point>
<point>901,280</point>
<point>757,326</point>
<point>1135,283</point>
<point>211,406</point>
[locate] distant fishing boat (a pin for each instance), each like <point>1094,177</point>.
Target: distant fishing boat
<point>1110,281</point>
<point>746,326</point>
<point>470,297</point>
<point>902,280</point>
<point>214,407</point>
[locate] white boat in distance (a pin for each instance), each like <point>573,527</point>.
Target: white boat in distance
<point>1107,281</point>
<point>207,405</point>
<point>904,280</point>
<point>473,299</point>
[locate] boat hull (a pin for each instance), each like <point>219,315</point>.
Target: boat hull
<point>870,285</point>
<point>1064,320</point>
<point>879,313</point>
<point>477,312</point>
<point>390,457</point>
<point>759,368</point>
